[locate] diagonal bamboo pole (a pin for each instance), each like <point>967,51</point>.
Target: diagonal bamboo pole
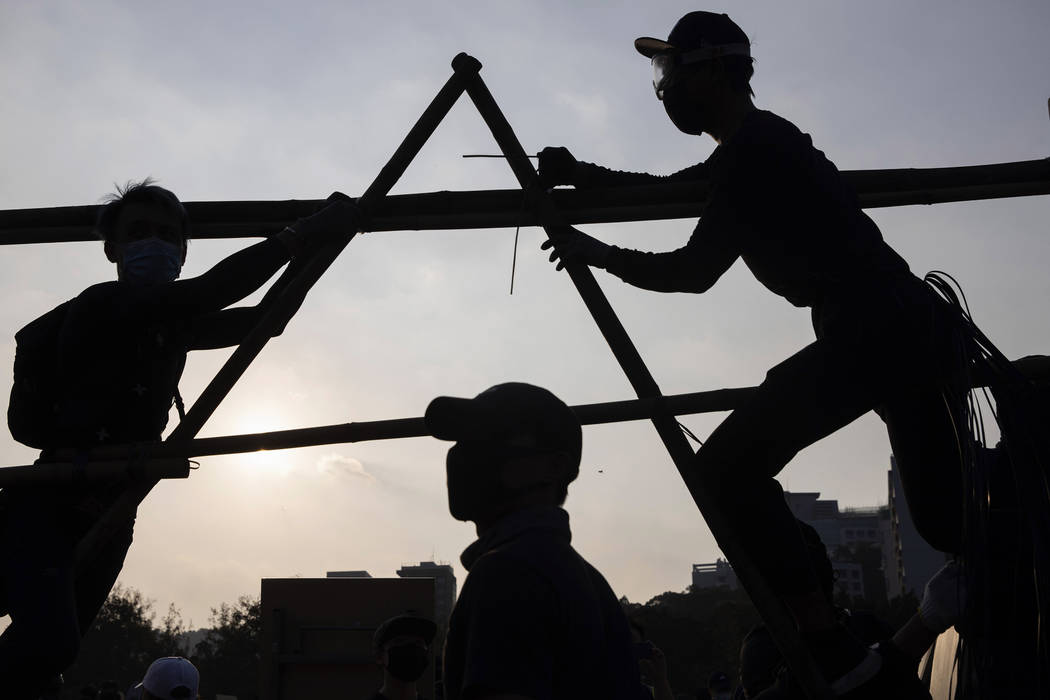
<point>282,309</point>
<point>773,611</point>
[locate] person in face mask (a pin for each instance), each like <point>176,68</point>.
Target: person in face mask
<point>120,348</point>
<point>534,619</point>
<point>884,340</point>
<point>402,649</point>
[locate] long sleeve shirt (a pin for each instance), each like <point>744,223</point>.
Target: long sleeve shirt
<point>776,202</point>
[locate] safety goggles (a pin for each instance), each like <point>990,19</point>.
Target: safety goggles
<point>664,64</point>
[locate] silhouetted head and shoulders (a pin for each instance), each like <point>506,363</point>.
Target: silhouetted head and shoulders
<point>534,619</point>
<point>401,646</point>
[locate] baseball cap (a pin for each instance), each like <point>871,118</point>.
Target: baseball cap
<point>704,32</point>
<point>172,678</point>
<point>517,413</point>
<point>409,623</point>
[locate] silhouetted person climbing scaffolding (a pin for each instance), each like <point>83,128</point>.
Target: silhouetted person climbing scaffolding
<point>884,340</point>
<point>118,352</point>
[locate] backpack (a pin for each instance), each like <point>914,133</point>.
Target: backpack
<point>34,393</point>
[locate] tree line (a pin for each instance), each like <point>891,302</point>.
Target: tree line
<point>126,638</point>
<point>699,631</point>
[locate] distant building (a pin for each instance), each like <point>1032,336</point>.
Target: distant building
<point>849,578</point>
<point>910,561</point>
<point>719,573</point>
<point>444,586</point>
<point>875,552</point>
<point>348,574</point>
<point>855,539</point>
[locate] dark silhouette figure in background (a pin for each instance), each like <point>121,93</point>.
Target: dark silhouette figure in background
<point>652,663</point>
<point>885,341</point>
<point>534,619</point>
<point>170,678</point>
<point>119,351</point>
<point>402,648</point>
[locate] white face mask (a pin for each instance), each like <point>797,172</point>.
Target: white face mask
<point>151,261</point>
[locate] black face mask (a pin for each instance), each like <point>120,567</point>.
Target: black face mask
<point>406,662</point>
<point>472,472</point>
<point>684,111</point>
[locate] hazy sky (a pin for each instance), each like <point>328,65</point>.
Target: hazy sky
<point>241,100</point>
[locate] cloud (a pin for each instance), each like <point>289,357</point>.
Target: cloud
<point>341,465</point>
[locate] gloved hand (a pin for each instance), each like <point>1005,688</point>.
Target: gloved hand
<point>557,166</point>
<point>338,217</point>
<point>944,598</point>
<point>570,246</point>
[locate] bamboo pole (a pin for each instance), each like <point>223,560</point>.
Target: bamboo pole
<point>399,428</point>
<point>277,315</point>
<point>502,208</point>
<point>59,474</point>
<point>772,609</point>
<point>1036,368</point>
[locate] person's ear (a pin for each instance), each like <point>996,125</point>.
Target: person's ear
<point>111,251</point>
<point>529,472</point>
<point>719,75</point>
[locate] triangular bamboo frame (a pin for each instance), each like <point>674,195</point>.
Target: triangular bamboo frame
<point>951,184</point>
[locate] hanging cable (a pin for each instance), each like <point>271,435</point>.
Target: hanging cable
<point>517,229</point>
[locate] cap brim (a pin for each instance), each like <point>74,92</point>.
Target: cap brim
<point>453,418</point>
<point>649,46</point>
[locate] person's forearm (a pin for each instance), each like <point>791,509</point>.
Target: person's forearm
<point>674,271</point>
<point>245,271</point>
<point>226,283</point>
<point>591,175</point>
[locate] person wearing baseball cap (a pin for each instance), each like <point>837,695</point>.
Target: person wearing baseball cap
<point>534,619</point>
<point>884,338</point>
<point>402,648</point>
<point>171,678</point>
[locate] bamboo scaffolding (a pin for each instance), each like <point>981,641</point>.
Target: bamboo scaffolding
<point>502,208</point>
<point>481,209</point>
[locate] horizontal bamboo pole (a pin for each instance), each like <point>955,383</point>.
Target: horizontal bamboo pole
<point>1036,368</point>
<point>77,473</point>
<point>397,428</point>
<point>503,208</point>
